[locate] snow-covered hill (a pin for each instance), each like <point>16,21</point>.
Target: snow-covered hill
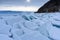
<point>29,26</point>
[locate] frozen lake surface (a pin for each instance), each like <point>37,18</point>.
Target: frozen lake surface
<point>29,26</point>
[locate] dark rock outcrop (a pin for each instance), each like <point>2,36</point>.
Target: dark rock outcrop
<point>50,6</point>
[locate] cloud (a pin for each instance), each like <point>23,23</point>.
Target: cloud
<point>21,5</point>
<point>22,2</point>
<point>19,8</point>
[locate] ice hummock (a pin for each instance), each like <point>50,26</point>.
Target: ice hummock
<point>29,26</point>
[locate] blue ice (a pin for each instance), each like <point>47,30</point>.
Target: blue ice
<point>30,26</point>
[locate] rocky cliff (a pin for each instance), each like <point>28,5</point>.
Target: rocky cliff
<point>50,6</point>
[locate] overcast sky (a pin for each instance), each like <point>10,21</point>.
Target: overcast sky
<point>22,3</point>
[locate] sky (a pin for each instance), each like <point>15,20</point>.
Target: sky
<point>21,5</point>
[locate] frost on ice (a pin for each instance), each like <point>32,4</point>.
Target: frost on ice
<point>30,26</point>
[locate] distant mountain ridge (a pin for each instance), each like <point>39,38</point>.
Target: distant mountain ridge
<point>10,11</point>
<point>13,12</point>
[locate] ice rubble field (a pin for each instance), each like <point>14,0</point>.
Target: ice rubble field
<point>30,26</point>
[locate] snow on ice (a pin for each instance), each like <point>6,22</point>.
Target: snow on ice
<point>30,26</point>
